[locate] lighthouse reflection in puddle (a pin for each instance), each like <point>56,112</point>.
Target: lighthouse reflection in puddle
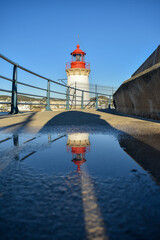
<point>78,144</point>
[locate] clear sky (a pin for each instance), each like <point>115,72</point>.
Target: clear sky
<point>117,35</point>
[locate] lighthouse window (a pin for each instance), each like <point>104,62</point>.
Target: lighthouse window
<point>78,57</point>
<point>74,57</point>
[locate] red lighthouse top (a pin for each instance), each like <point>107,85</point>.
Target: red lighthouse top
<point>78,51</point>
<point>78,59</point>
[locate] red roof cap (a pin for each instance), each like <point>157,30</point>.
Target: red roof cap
<point>78,51</point>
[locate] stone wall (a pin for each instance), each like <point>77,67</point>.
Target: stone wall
<point>140,95</point>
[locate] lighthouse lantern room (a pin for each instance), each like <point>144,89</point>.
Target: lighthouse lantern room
<point>78,77</point>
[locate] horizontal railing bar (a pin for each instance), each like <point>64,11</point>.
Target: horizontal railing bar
<point>58,138</point>
<point>28,155</point>
<point>25,103</point>
<point>8,60</point>
<point>31,103</point>
<point>3,90</point>
<point>38,75</point>
<point>6,78</point>
<point>71,95</point>
<point>74,101</point>
<point>29,71</point>
<point>93,86</point>
<point>5,102</point>
<point>57,92</point>
<point>30,94</point>
<point>28,85</point>
<point>60,99</point>
<point>56,99</point>
<point>92,92</point>
<point>77,89</point>
<point>58,104</point>
<point>30,140</point>
<point>6,139</point>
<point>75,95</point>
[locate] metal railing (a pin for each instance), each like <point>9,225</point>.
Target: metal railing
<point>51,88</point>
<point>86,64</point>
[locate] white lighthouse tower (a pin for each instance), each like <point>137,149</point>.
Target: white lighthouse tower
<point>78,77</point>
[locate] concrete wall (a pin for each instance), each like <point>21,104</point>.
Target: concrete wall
<point>140,95</point>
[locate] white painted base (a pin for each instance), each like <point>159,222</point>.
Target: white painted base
<point>79,82</point>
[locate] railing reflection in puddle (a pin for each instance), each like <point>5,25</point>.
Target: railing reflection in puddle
<point>20,147</point>
<point>78,145</point>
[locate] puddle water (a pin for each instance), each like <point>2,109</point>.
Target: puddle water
<point>77,186</point>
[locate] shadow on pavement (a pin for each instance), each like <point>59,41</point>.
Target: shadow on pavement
<point>19,127</point>
<point>77,120</point>
<point>7,115</point>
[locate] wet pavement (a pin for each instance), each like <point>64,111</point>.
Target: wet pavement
<point>79,183</point>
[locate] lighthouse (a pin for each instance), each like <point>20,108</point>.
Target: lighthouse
<point>78,77</point>
<point>78,144</point>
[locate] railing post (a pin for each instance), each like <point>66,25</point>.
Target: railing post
<point>67,99</point>
<point>15,140</point>
<point>95,89</point>
<point>48,97</point>
<point>109,102</point>
<point>16,144</point>
<point>14,106</point>
<point>96,96</point>
<point>96,100</point>
<point>82,107</point>
<point>49,137</point>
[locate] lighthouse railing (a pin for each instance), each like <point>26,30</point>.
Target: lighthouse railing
<point>31,93</point>
<point>87,65</point>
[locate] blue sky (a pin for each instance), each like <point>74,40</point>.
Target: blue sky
<point>116,35</point>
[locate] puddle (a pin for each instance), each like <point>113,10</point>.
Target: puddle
<point>78,185</point>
